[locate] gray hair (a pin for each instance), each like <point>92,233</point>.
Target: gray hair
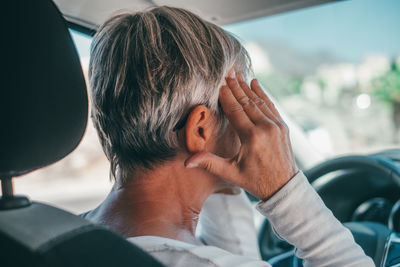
<point>147,71</point>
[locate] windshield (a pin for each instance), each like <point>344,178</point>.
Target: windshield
<point>334,69</point>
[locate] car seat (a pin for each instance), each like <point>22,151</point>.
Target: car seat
<point>43,116</point>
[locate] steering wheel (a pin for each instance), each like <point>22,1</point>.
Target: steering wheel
<point>343,183</point>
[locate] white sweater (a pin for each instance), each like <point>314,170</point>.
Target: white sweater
<point>297,215</point>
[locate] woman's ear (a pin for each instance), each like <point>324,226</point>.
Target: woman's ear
<point>199,129</point>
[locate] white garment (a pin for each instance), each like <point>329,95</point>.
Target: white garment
<point>296,213</point>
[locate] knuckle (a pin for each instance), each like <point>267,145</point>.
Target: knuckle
<point>234,109</point>
<point>251,104</point>
<point>258,136</point>
<point>258,101</point>
<point>244,100</point>
<point>274,129</point>
<point>271,126</point>
<point>266,128</point>
<point>242,84</point>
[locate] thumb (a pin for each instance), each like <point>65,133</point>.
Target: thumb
<point>209,162</point>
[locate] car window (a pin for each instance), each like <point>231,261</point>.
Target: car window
<point>335,70</point>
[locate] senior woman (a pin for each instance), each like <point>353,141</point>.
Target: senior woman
<point>183,132</point>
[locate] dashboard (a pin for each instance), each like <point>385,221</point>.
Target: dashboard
<point>379,209</point>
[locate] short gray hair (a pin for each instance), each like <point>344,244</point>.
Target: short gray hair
<point>147,71</point>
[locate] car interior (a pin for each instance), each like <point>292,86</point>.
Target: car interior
<point>51,119</point>
<point>44,113</point>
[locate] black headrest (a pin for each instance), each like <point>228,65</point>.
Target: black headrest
<point>43,98</point>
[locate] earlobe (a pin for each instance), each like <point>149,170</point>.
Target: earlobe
<point>198,129</point>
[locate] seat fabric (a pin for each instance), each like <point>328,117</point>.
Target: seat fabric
<point>41,235</point>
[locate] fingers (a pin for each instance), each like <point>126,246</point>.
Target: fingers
<point>245,97</point>
<point>246,107</point>
<point>234,112</point>
<point>245,87</point>
<point>255,98</point>
<point>255,86</point>
<point>213,164</point>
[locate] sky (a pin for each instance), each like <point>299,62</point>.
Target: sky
<point>348,29</point>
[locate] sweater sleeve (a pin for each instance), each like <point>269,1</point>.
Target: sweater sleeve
<point>226,221</point>
<point>298,215</point>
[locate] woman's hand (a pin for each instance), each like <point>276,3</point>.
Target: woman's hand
<point>265,161</point>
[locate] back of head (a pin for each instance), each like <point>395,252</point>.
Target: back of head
<point>147,71</point>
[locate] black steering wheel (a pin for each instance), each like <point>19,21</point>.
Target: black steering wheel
<point>343,183</point>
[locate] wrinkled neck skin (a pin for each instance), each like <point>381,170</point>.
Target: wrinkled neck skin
<point>162,202</point>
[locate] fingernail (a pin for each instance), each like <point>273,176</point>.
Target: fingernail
<point>192,165</point>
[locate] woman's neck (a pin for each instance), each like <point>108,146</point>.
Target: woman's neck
<point>163,202</point>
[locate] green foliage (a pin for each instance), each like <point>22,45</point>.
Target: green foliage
<point>322,83</point>
<point>387,86</point>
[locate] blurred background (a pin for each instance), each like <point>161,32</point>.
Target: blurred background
<point>333,70</point>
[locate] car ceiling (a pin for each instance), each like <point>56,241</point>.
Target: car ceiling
<point>91,13</point>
